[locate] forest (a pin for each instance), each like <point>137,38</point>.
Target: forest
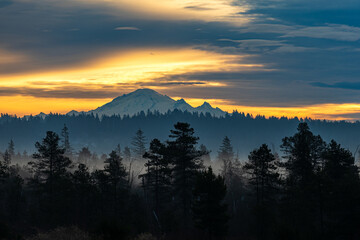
<point>103,134</point>
<point>174,189</point>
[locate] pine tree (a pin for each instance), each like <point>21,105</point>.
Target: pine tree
<point>303,153</point>
<point>11,148</point>
<point>118,150</point>
<point>262,168</point>
<point>51,175</point>
<point>226,157</point>
<point>66,141</point>
<point>6,159</point>
<point>186,160</point>
<point>264,178</point>
<point>49,160</point>
<point>340,186</point>
<point>208,207</point>
<point>232,172</point>
<point>10,189</point>
<point>138,144</point>
<point>157,178</point>
<point>115,177</point>
<point>84,191</point>
<point>127,154</point>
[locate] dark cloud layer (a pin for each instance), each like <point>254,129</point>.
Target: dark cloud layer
<point>309,49</point>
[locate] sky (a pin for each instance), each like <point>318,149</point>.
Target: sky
<point>269,57</point>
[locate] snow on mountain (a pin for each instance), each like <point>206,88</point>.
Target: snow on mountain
<point>207,108</point>
<point>147,99</point>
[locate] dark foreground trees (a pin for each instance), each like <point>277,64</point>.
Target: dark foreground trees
<point>264,180</point>
<point>51,179</point>
<point>186,161</point>
<point>209,209</point>
<point>310,191</point>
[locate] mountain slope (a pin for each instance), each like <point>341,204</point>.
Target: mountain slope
<point>149,100</point>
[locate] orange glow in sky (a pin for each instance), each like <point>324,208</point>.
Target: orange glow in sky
<point>76,88</point>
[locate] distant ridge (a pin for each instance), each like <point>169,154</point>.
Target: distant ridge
<point>148,100</point>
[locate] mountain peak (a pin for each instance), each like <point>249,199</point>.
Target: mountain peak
<point>146,99</point>
<point>206,104</point>
<point>144,91</point>
<point>181,101</point>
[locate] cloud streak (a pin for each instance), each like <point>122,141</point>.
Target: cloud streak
<point>127,28</point>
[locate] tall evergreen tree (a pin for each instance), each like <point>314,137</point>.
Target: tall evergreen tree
<point>226,157</point>
<point>262,168</point>
<point>11,200</point>
<point>11,148</point>
<point>66,140</point>
<point>49,160</point>
<point>51,174</point>
<point>157,178</point>
<point>340,186</point>
<point>84,193</point>
<point>208,207</point>
<point>115,176</point>
<point>265,180</point>
<point>186,160</point>
<point>232,172</point>
<point>6,159</point>
<point>138,144</point>
<point>303,153</point>
<point>127,154</point>
<point>118,150</point>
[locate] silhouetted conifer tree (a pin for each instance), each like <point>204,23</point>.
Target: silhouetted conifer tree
<point>186,160</point>
<point>115,177</point>
<point>232,172</point>
<point>340,185</point>
<point>208,207</point>
<point>157,178</point>
<point>265,180</point>
<point>66,141</point>
<point>84,193</point>
<point>138,144</point>
<point>118,150</point>
<point>11,200</point>
<point>303,153</point>
<point>51,176</point>
<point>226,157</point>
<point>11,148</point>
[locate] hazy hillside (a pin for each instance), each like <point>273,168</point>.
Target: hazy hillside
<point>102,135</point>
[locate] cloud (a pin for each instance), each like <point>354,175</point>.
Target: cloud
<point>333,31</point>
<point>126,28</point>
<point>270,52</point>
<point>341,85</point>
<point>198,8</point>
<point>302,4</point>
<point>5,3</point>
<point>59,92</point>
<point>264,45</point>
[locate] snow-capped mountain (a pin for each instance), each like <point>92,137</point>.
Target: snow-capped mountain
<point>147,99</point>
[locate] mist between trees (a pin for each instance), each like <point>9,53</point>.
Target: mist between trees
<point>174,189</point>
<point>101,135</point>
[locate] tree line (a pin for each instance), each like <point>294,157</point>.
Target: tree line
<point>172,190</point>
<point>102,133</point>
